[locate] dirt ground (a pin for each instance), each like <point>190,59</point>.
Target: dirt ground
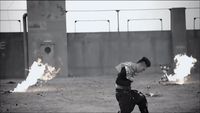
<point>97,94</point>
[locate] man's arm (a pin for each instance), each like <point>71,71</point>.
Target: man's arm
<point>121,78</point>
<point>129,69</point>
<point>130,72</point>
<point>119,67</point>
<point>123,73</point>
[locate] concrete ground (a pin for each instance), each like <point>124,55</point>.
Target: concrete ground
<point>97,94</point>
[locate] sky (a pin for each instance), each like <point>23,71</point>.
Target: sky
<point>146,19</point>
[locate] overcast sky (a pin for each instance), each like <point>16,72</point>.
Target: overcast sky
<point>103,26</point>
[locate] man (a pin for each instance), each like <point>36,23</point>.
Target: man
<point>126,97</point>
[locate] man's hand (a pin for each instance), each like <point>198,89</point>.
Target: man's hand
<point>129,77</point>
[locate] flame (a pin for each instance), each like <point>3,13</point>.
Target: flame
<point>183,67</point>
<point>50,73</point>
<point>37,71</point>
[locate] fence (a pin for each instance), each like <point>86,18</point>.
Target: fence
<point>108,20</point>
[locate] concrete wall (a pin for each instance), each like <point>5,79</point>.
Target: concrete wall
<point>47,31</point>
<point>11,55</point>
<point>98,53</point>
<point>178,30</point>
<point>193,47</point>
<point>91,54</point>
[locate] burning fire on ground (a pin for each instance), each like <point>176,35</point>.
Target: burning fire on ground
<point>37,72</point>
<point>182,70</point>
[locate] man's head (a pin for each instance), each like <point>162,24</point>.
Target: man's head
<point>142,64</point>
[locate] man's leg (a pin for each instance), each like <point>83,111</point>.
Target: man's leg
<point>143,105</point>
<point>126,103</point>
<point>141,101</point>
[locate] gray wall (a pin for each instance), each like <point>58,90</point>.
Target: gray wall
<point>178,30</point>
<point>98,53</point>
<point>193,47</point>
<point>11,55</point>
<point>47,29</point>
<point>92,54</point>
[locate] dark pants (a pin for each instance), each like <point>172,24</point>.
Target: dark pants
<point>129,98</point>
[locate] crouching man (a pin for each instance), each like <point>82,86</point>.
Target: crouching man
<point>126,97</point>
